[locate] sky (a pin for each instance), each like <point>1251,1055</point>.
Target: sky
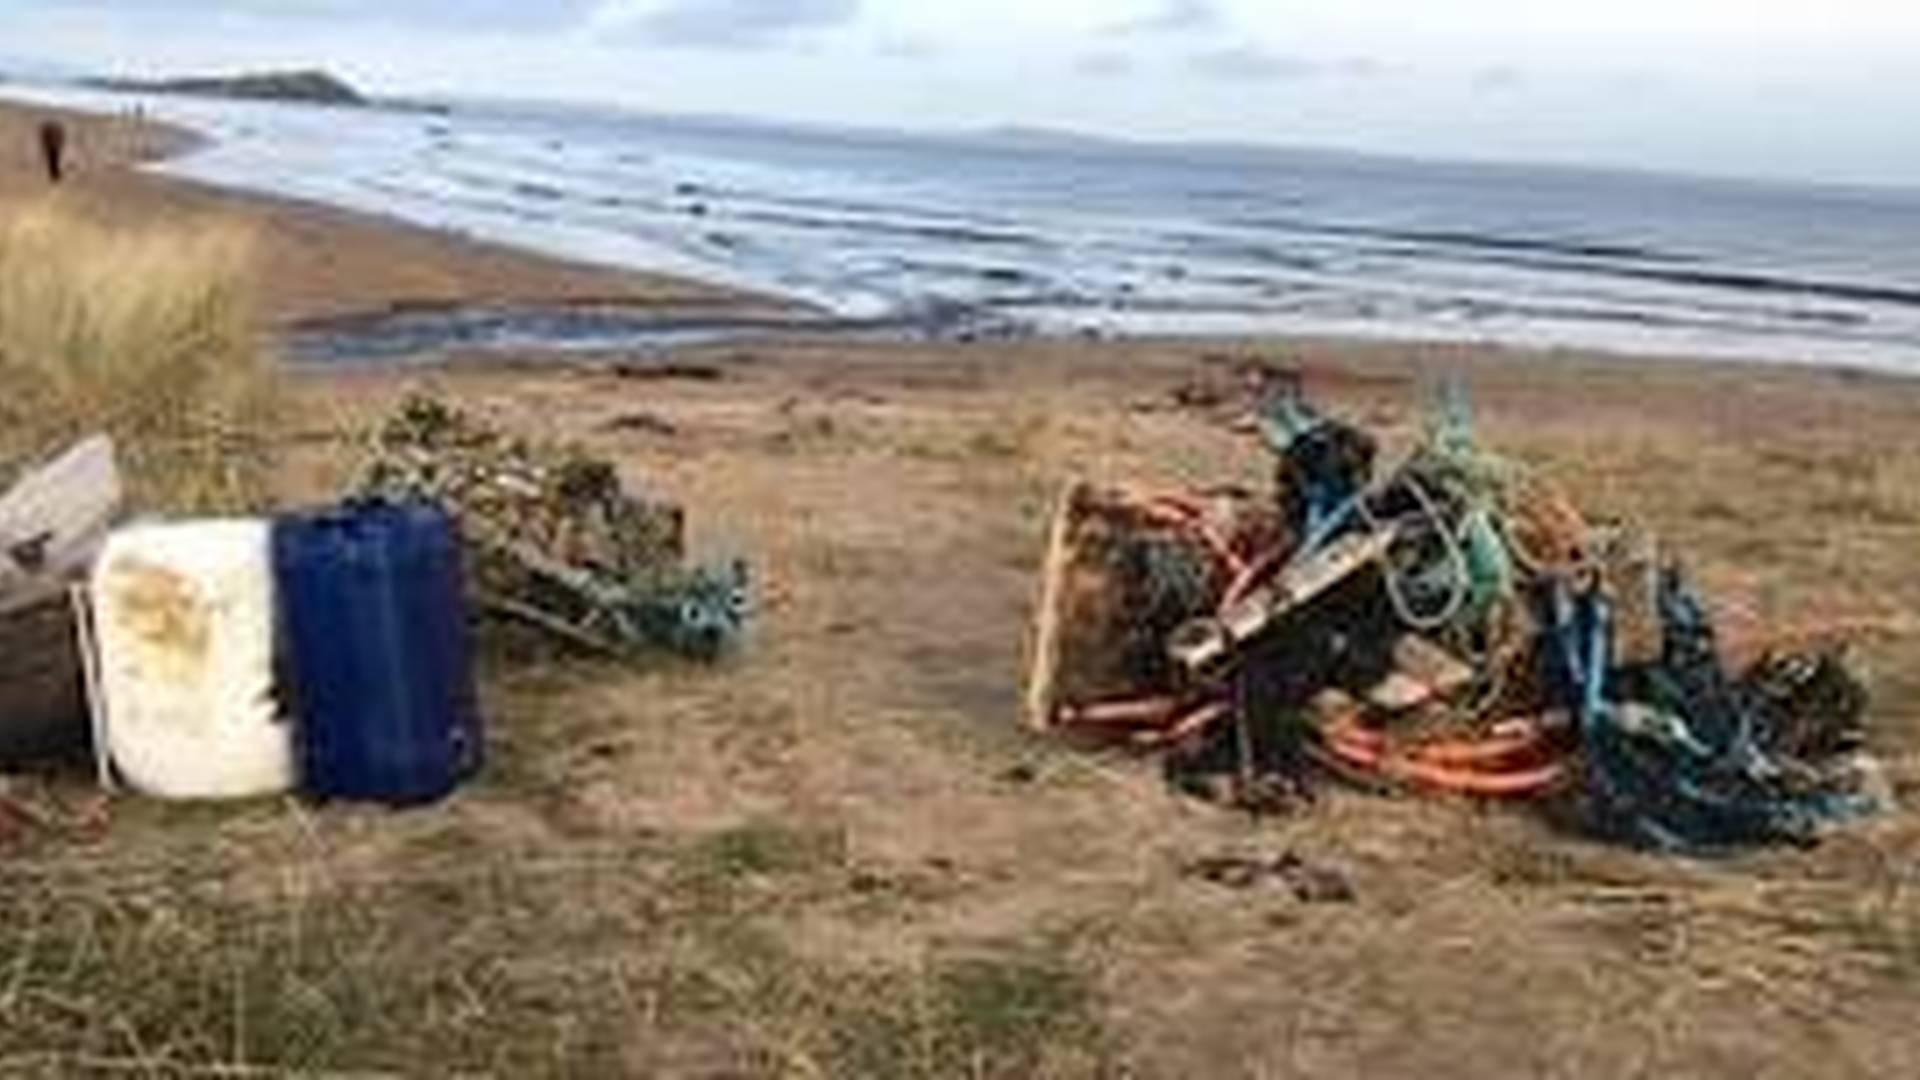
<point>1802,89</point>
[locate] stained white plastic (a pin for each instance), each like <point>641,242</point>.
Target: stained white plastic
<point>183,623</point>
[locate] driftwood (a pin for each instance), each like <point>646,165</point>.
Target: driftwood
<point>53,522</point>
<point>51,526</point>
<point>1046,640</point>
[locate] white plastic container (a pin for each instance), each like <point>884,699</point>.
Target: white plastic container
<point>183,622</point>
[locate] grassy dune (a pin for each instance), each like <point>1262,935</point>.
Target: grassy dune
<point>148,333</point>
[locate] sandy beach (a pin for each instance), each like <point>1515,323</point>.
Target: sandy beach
<point>778,867</point>
<point>315,261</point>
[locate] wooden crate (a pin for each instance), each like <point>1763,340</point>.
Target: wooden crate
<point>1088,616</point>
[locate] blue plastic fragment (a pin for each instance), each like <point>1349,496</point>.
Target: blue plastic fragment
<point>1697,781</point>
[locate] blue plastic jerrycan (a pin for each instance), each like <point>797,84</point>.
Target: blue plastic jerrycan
<point>377,654</point>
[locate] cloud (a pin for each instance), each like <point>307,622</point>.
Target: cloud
<point>910,47</point>
<point>1252,63</point>
<point>739,24</point>
<point>1175,17</point>
<point>476,14</point>
<point>1104,65</point>
<point>1497,78</point>
<point>1255,63</point>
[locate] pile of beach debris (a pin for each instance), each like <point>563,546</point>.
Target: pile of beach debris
<point>1451,622</point>
<point>554,540</point>
<point>321,651</point>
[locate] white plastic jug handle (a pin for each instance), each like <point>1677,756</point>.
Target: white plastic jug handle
<point>90,672</point>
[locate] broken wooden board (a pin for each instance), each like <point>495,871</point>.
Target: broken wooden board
<point>1422,673</point>
<point>51,526</point>
<point>54,520</point>
<point>1046,635</point>
<point>1399,693</point>
<point>1204,645</point>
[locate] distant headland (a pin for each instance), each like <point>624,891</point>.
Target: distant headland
<point>312,87</point>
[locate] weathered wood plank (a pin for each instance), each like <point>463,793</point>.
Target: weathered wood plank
<point>1045,642</point>
<point>53,522</point>
<point>1204,645</point>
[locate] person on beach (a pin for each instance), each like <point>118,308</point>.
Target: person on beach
<point>53,149</point>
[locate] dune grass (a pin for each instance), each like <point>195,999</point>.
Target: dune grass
<point>642,958</point>
<point>148,333</point>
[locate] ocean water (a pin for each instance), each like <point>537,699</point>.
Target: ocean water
<point>1027,232</point>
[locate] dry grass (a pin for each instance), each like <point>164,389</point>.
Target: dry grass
<point>841,856</point>
<point>147,333</point>
<point>633,958</point>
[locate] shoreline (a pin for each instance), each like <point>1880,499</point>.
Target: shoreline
<point>326,264</point>
<point>317,261</point>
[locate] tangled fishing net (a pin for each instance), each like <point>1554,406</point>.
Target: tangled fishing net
<point>1450,623</point>
<point>554,538</point>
